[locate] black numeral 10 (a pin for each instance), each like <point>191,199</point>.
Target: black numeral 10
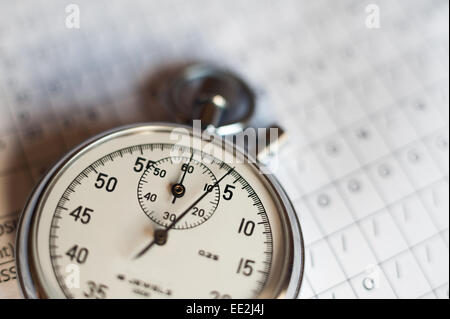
<point>246,227</point>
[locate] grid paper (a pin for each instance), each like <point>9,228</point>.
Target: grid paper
<point>366,110</point>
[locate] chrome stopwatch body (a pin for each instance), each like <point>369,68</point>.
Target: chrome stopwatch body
<point>134,213</point>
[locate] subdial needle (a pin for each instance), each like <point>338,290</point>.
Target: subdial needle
<point>178,189</point>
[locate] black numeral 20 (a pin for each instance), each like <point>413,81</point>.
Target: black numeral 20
<point>198,212</point>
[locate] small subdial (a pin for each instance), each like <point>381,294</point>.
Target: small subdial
<point>168,187</point>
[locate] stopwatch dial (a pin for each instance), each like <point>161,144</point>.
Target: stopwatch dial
<point>99,227</point>
<point>169,186</point>
<point>97,232</point>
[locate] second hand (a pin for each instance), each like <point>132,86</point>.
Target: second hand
<point>161,235</point>
<point>179,189</point>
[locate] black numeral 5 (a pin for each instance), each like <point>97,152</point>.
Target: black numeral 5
<point>228,192</point>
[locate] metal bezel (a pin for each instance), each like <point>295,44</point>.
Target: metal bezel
<point>27,272</point>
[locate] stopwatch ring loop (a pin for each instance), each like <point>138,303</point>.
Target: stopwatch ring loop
<point>194,88</point>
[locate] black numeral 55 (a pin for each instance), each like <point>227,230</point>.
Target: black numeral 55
<point>142,163</point>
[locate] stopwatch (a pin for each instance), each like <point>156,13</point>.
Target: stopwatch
<point>158,210</point>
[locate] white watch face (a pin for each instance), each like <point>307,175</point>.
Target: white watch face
<point>138,214</point>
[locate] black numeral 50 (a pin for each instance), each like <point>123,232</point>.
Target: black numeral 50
<point>106,182</point>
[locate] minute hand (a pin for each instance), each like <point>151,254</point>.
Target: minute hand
<point>198,200</point>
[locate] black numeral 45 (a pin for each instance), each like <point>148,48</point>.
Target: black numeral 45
<point>82,214</point>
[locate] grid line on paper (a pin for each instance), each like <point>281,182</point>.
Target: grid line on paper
<point>375,213</point>
<point>392,152</point>
<point>368,165</point>
<point>387,260</point>
<point>93,70</point>
<point>406,173</point>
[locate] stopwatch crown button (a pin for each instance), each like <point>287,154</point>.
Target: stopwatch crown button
<point>217,97</point>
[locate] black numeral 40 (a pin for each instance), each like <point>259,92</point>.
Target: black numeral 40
<point>78,254</point>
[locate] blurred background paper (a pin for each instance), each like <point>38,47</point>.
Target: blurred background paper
<point>365,102</point>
